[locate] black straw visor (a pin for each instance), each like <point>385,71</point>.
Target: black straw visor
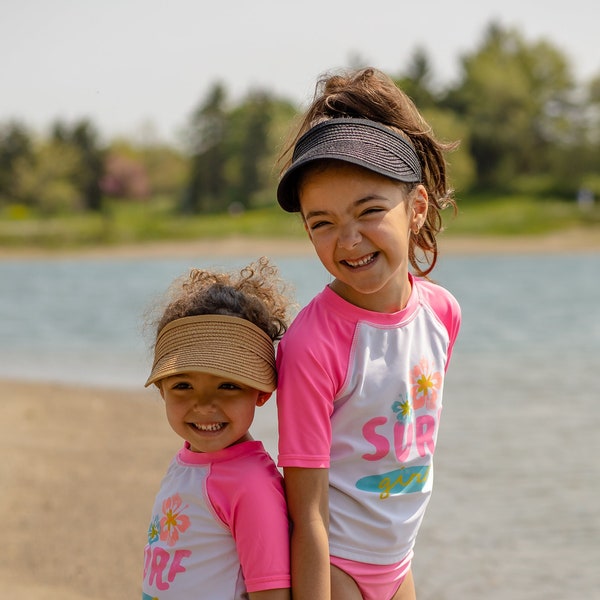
<point>360,142</point>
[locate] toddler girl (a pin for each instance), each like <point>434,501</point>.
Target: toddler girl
<point>219,526</point>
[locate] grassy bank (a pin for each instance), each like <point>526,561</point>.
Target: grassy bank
<point>131,223</point>
<point>127,223</point>
<point>519,216</point>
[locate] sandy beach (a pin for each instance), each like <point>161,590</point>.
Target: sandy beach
<point>80,467</point>
<point>78,473</point>
<point>79,470</point>
<point>574,240</point>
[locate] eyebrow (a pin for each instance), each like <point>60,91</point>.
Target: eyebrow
<point>315,213</point>
<point>186,376</point>
<point>370,197</point>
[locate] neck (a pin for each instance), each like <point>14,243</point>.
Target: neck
<point>382,301</point>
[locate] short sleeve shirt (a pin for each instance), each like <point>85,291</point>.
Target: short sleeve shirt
<point>360,393</point>
<point>219,527</point>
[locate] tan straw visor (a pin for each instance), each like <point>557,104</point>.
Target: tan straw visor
<point>219,345</point>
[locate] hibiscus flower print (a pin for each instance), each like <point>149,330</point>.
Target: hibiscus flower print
<point>425,385</point>
<point>402,409</point>
<point>174,521</point>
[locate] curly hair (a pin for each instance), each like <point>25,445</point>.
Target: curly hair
<point>255,293</point>
<point>370,94</point>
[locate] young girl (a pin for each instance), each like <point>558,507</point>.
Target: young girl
<point>361,368</point>
<point>219,528</point>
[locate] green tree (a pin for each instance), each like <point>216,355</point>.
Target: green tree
<point>85,139</point>
<point>583,156</point>
<point>48,184</point>
<point>16,153</point>
<point>250,150</point>
<point>448,127</point>
<point>417,80</point>
<point>593,99</point>
<point>166,168</point>
<point>144,169</point>
<point>205,190</point>
<point>255,146</point>
<point>516,98</point>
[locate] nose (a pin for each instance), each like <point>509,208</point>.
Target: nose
<point>349,236</point>
<point>205,403</point>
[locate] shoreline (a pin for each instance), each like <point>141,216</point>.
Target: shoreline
<point>568,241</point>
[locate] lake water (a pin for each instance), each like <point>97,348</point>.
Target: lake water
<point>81,321</point>
<point>515,508</point>
<point>526,320</point>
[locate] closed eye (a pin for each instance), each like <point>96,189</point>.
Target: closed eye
<point>372,210</point>
<point>317,224</point>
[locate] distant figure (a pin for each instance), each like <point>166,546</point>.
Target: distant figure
<point>361,368</point>
<point>585,199</point>
<point>219,527</point>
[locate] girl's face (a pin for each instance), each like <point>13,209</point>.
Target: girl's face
<point>208,411</point>
<point>359,223</point>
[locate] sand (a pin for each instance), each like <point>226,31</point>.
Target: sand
<point>78,473</point>
<point>573,240</point>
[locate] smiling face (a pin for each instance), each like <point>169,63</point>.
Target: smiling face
<point>359,223</point>
<point>208,411</point>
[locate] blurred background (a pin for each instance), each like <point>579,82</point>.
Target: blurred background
<point>118,117</point>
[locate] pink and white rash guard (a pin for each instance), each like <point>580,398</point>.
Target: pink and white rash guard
<point>219,527</point>
<point>360,393</point>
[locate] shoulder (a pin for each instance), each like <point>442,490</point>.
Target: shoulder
<point>438,297</point>
<point>308,317</point>
<point>324,320</point>
<point>315,351</point>
<point>441,302</point>
<point>256,484</point>
<point>252,468</point>
<point>251,473</point>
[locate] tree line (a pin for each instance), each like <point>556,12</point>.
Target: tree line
<point>525,126</point>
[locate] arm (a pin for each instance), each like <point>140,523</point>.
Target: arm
<point>247,496</point>
<point>307,493</point>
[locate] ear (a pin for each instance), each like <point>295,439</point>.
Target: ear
<point>262,398</point>
<point>419,205</point>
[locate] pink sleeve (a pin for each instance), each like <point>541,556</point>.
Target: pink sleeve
<point>251,502</point>
<point>312,364</point>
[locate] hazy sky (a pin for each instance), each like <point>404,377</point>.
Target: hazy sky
<point>126,63</point>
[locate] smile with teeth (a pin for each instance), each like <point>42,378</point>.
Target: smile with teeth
<point>209,426</point>
<point>361,262</point>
